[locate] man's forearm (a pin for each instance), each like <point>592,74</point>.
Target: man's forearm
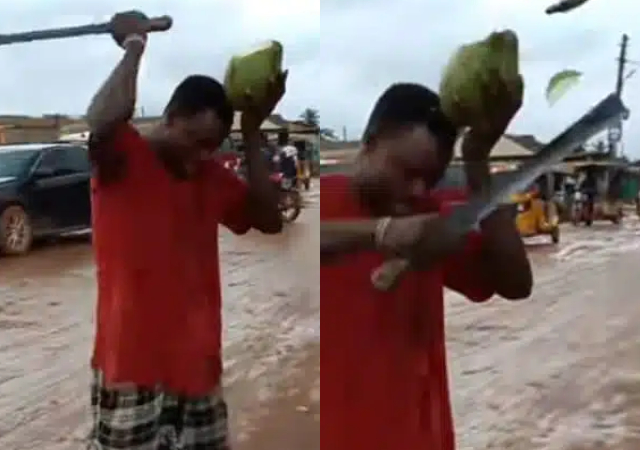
<point>342,237</point>
<point>477,172</point>
<point>506,262</point>
<point>115,101</point>
<point>263,193</point>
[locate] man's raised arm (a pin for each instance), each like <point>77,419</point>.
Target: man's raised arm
<point>114,103</point>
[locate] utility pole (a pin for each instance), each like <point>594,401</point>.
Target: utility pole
<point>622,61</point>
<point>615,134</point>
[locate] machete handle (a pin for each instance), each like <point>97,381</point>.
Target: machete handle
<point>386,276</point>
<point>162,23</point>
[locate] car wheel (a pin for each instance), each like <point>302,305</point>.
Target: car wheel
<point>16,234</point>
<point>555,235</point>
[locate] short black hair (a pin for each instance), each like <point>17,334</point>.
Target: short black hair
<point>404,105</point>
<point>199,93</point>
<point>283,138</point>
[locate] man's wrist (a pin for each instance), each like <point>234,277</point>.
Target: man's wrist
<point>134,44</point>
<point>251,139</point>
<point>478,177</point>
<point>380,232</point>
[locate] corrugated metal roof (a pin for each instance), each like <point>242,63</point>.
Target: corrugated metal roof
<point>268,126</point>
<point>505,148</point>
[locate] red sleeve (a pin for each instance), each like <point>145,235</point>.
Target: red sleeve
<point>110,151</point>
<point>335,201</point>
<point>232,193</point>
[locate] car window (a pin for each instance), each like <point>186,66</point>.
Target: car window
<point>66,161</point>
<point>17,162</point>
<point>77,159</point>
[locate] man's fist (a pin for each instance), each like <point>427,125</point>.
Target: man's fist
<point>129,23</point>
<point>424,239</point>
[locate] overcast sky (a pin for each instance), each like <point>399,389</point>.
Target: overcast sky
<point>341,54</point>
<point>368,44</point>
<point>61,76</point>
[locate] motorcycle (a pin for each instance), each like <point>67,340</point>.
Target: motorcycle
<point>290,200</point>
<point>582,209</point>
<point>587,210</point>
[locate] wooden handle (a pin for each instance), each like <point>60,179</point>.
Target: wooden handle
<point>385,277</point>
<point>162,23</point>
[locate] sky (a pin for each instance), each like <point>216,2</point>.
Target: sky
<point>368,44</point>
<point>341,53</point>
<point>60,76</point>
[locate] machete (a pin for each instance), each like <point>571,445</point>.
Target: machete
<point>467,217</point>
<point>162,23</point>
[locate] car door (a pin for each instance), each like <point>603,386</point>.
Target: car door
<point>46,191</point>
<point>60,192</point>
<point>75,164</point>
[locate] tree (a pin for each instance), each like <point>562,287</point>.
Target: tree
<point>311,117</point>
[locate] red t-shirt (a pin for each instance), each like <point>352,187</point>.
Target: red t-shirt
<point>156,250</point>
<point>384,375</point>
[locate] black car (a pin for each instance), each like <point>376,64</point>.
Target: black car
<point>44,192</point>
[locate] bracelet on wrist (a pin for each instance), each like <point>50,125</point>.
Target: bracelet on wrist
<point>381,230</point>
<point>137,38</point>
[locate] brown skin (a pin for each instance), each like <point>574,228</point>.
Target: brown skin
<point>181,142</point>
<point>389,173</point>
<point>508,265</point>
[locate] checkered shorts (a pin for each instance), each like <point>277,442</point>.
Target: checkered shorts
<point>150,419</point>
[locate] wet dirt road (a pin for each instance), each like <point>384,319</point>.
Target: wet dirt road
<point>271,336</point>
<point>560,371</point>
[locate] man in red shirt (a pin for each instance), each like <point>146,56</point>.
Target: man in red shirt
<point>158,200</point>
<point>384,376</point>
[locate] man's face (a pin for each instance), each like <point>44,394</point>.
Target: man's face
<point>193,136</point>
<point>402,166</point>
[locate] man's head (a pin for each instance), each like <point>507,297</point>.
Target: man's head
<point>198,117</point>
<point>283,138</point>
<point>407,145</point>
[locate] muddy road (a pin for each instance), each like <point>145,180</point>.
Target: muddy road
<point>560,371</point>
<point>271,336</point>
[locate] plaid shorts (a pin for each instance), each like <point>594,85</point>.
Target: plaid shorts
<point>151,419</point>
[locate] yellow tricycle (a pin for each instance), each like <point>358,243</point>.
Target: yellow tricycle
<point>536,216</point>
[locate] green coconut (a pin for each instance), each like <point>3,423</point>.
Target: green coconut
<point>251,72</point>
<point>473,68</point>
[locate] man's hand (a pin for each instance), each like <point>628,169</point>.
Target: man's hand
<point>263,195</point>
<point>423,239</point>
<point>258,111</point>
<point>503,101</point>
<point>128,24</point>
